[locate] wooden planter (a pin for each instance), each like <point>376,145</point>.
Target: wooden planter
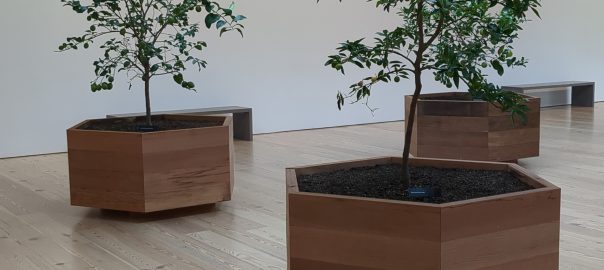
<point>147,172</point>
<point>471,130</point>
<point>511,231</point>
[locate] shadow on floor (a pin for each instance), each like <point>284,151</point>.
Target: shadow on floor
<point>113,215</point>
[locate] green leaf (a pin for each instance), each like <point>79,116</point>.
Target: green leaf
<point>211,19</point>
<point>220,24</point>
<point>223,30</point>
<point>178,78</point>
<point>456,80</point>
<point>497,66</point>
<point>536,12</point>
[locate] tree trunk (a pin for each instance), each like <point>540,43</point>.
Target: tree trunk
<point>147,80</point>
<point>406,176</point>
<point>417,67</point>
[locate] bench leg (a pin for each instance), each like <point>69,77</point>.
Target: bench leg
<point>583,96</point>
<point>242,126</point>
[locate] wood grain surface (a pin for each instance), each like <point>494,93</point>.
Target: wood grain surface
<point>148,172</point>
<point>472,130</point>
<point>39,229</point>
<point>341,232</point>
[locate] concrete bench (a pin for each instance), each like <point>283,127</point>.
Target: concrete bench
<point>582,92</point>
<point>242,118</point>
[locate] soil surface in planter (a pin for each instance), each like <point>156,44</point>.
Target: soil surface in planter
<point>383,182</point>
<point>449,97</point>
<point>133,124</point>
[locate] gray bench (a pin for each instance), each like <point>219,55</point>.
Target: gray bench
<point>242,118</point>
<point>582,92</point>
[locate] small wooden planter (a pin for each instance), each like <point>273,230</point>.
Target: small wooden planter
<point>517,231</point>
<point>148,172</point>
<point>472,130</point>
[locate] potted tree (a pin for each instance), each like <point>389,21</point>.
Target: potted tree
<point>156,162</point>
<point>418,213</point>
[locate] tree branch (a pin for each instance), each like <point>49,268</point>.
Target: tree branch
<point>439,28</point>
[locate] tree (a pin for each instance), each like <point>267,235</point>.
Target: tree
<point>147,38</point>
<point>456,40</point>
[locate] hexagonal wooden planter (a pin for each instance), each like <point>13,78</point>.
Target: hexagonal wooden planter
<point>147,172</point>
<point>512,231</point>
<point>453,126</point>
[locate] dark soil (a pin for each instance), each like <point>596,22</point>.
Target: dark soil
<point>462,97</point>
<point>134,124</point>
<point>383,182</point>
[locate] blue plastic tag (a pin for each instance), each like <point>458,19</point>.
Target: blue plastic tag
<point>146,128</point>
<point>420,192</point>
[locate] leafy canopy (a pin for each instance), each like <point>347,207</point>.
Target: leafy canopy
<point>456,40</point>
<point>147,38</point>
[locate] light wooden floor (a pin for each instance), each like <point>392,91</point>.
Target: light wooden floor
<point>39,230</point>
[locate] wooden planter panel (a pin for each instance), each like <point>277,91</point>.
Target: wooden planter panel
<point>511,231</point>
<point>472,130</point>
<point>106,170</point>
<point>328,232</point>
<point>147,172</point>
<point>455,123</point>
<point>339,232</point>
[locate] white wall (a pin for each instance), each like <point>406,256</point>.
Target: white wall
<point>277,69</point>
<point>566,45</point>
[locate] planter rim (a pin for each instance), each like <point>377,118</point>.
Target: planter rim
<point>421,96</point>
<point>539,184</point>
<point>225,123</point>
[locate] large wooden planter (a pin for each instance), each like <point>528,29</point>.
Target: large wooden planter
<point>147,172</point>
<point>452,126</point>
<point>517,231</point>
